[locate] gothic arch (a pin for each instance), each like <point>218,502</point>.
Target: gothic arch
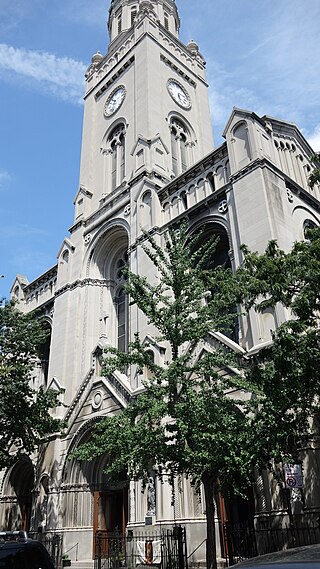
<point>112,238</point>
<point>114,149</point>
<point>214,227</point>
<point>111,128</point>
<point>308,224</point>
<point>182,141</point>
<point>145,209</point>
<point>210,227</point>
<point>77,472</point>
<point>184,120</point>
<point>44,351</point>
<point>107,258</point>
<point>17,490</point>
<point>304,217</point>
<point>87,491</point>
<point>80,480</point>
<point>242,151</point>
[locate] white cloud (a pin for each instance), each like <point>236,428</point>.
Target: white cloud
<point>314,139</point>
<point>62,77</point>
<point>4,177</point>
<point>270,68</point>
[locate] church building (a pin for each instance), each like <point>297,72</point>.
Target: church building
<point>147,162</point>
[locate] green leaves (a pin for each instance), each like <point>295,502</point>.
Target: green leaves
<point>185,418</point>
<point>314,177</point>
<point>287,373</point>
<point>208,413</point>
<point>292,279</point>
<point>24,413</point>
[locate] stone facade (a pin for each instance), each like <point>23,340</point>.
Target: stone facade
<point>148,161</point>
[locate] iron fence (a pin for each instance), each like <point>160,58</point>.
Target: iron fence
<point>165,549</point>
<point>244,542</point>
<point>53,544</point>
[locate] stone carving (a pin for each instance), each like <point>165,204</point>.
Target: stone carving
<point>151,498</point>
<point>127,210</point>
<point>223,206</point>
<point>87,239</point>
<point>289,195</point>
<point>96,400</point>
<point>145,6</point>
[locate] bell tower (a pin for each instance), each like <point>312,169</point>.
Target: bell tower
<point>122,15</point>
<point>146,109</point>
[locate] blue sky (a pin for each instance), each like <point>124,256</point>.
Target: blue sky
<point>262,55</point>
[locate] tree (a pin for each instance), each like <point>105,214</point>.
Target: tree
<point>288,371</point>
<point>314,177</point>
<point>185,421</point>
<point>214,416</point>
<point>24,413</point>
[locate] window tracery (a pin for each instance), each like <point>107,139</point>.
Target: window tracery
<point>121,303</point>
<point>116,145</point>
<point>180,141</point>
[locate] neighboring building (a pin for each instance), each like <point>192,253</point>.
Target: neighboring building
<point>148,161</point>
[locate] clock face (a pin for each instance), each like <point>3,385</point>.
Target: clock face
<point>179,94</point>
<point>115,101</point>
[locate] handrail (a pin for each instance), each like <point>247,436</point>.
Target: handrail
<point>196,549</point>
<point>76,545</point>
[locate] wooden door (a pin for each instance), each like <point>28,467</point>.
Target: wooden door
<point>110,515</point>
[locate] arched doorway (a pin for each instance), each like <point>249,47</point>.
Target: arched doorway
<point>17,496</point>
<point>90,498</point>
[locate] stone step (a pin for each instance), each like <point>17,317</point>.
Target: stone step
<point>221,564</point>
<point>87,564</point>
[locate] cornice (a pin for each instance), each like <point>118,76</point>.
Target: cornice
<point>198,168</point>
<point>81,283</point>
<point>41,280</point>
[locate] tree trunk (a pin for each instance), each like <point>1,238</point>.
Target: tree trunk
<point>211,556</point>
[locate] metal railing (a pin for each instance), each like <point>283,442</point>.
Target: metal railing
<point>244,542</point>
<point>165,549</point>
<point>53,544</point>
<point>76,547</point>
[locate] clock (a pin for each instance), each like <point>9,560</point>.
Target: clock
<point>114,101</point>
<point>179,94</point>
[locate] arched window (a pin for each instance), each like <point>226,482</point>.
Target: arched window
<point>148,373</point>
<point>179,142</point>
<point>116,143</point>
<point>242,146</point>
<point>220,258</point>
<point>44,351</point>
<point>210,178</point>
<point>122,320</point>
<point>308,224</point>
<point>121,303</point>
<point>146,210</point>
<point>121,265</point>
